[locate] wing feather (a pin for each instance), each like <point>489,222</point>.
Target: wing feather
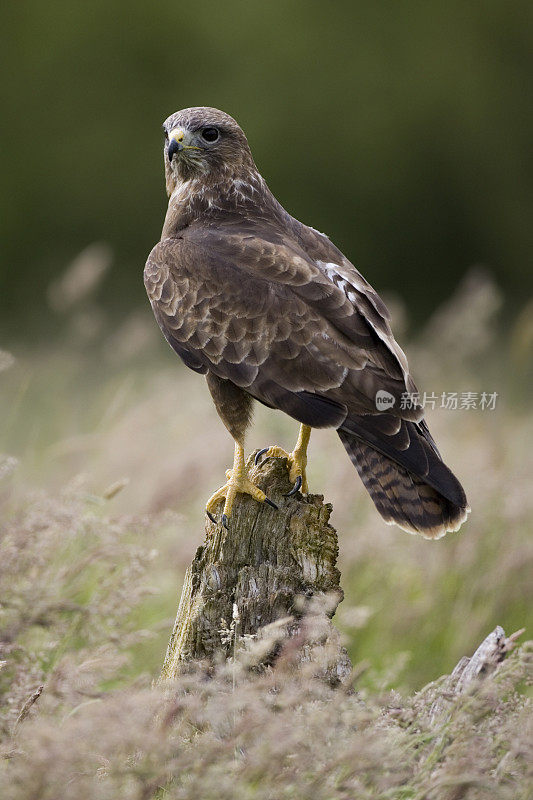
<point>263,313</point>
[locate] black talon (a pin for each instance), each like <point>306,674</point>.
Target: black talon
<point>259,454</point>
<point>211,517</point>
<point>225,522</point>
<point>270,503</point>
<point>296,488</point>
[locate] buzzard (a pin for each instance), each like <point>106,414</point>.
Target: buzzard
<point>269,309</point>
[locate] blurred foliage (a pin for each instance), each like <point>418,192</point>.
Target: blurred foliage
<point>74,724</point>
<point>403,130</point>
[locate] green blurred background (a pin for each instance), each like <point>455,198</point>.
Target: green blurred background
<point>402,129</point>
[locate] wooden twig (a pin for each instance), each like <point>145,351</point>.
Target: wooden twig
<point>489,654</point>
<point>469,671</point>
<point>270,564</point>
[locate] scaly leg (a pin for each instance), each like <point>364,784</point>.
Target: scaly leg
<point>237,481</point>
<point>296,461</point>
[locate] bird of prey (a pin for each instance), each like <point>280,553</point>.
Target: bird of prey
<point>269,309</point>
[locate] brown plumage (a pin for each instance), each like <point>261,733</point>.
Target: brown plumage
<point>268,308</point>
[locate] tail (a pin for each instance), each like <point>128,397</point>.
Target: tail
<point>404,474</point>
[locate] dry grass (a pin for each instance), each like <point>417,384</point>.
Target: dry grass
<point>71,578</point>
<point>125,447</point>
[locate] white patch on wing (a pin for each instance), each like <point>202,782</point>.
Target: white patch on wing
<point>351,282</point>
<point>346,281</point>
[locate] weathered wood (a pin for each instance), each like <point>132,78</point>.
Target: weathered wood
<point>471,670</point>
<point>488,655</point>
<point>270,564</point>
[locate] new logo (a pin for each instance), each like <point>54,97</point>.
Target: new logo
<point>384,400</point>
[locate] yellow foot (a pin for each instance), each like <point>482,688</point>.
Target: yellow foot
<point>296,462</point>
<point>237,482</point>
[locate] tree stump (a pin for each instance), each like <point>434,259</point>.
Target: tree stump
<point>270,565</point>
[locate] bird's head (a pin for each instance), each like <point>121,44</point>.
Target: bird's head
<point>204,142</point>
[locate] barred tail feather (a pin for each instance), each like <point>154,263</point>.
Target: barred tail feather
<point>402,497</point>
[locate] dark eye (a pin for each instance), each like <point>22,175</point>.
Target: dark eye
<point>210,134</point>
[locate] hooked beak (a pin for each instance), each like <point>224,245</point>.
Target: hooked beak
<point>175,145</point>
<point>179,140</point>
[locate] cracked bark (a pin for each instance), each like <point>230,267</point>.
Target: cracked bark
<point>269,566</point>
